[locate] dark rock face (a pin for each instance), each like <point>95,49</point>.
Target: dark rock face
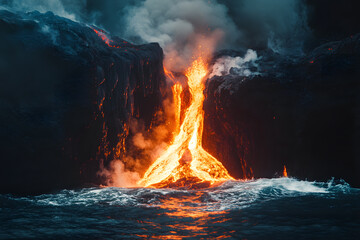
<point>302,113</point>
<point>66,100</point>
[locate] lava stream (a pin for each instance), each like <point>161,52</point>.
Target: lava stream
<point>185,160</point>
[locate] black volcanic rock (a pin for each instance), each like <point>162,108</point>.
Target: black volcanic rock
<point>66,98</point>
<point>303,113</point>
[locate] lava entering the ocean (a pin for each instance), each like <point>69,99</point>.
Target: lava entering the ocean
<point>185,162</point>
<point>285,172</point>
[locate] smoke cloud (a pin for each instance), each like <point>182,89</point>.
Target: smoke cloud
<point>118,176</point>
<point>237,65</point>
<point>280,25</point>
<point>180,27</point>
<point>146,146</point>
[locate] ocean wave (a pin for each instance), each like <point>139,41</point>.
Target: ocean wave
<point>229,195</point>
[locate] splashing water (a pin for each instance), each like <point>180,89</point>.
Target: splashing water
<point>280,208</point>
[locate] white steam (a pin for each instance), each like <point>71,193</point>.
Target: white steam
<point>180,27</point>
<point>118,176</point>
<point>237,65</point>
<point>146,147</point>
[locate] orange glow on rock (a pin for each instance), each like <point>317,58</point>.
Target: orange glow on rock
<point>185,162</point>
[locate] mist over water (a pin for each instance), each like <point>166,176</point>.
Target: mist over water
<point>279,208</point>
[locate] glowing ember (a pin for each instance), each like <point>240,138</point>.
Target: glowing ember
<point>285,172</point>
<point>185,161</point>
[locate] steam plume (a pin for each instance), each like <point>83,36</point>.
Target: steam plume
<point>238,65</point>
<point>180,27</point>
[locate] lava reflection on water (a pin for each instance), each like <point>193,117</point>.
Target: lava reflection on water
<point>278,208</point>
<point>190,216</point>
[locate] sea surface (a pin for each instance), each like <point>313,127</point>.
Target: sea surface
<point>278,208</point>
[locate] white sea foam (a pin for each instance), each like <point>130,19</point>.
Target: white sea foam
<point>227,196</point>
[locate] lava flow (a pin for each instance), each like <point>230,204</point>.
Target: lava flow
<point>185,162</point>
<point>285,172</point>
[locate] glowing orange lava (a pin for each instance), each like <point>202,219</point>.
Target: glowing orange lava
<point>185,161</point>
<point>169,74</point>
<point>285,172</point>
<point>177,90</point>
<point>106,39</point>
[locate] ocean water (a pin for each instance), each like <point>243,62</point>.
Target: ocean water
<point>278,208</point>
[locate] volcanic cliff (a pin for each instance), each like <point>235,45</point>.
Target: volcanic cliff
<point>66,99</point>
<point>301,112</point>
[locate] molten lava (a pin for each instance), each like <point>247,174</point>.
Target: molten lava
<point>177,90</point>
<point>285,172</point>
<point>185,162</point>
